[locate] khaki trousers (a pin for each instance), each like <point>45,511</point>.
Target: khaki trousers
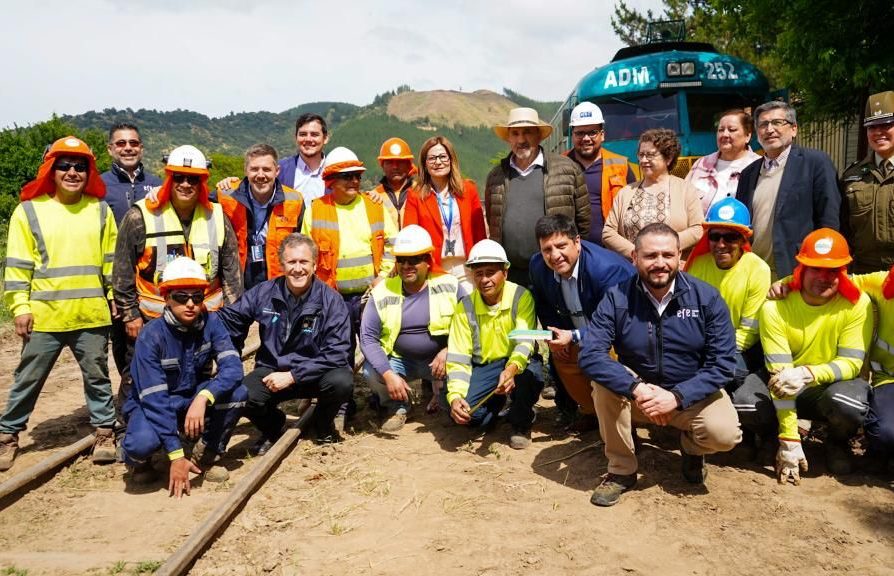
<point>709,426</point>
<point>576,383</point>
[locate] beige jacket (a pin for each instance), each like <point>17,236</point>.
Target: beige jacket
<point>686,217</point>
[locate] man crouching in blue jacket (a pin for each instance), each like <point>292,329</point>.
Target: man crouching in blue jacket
<point>305,338</point>
<point>172,387</point>
<point>676,351</point>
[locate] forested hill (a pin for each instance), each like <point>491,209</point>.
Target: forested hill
<point>465,118</point>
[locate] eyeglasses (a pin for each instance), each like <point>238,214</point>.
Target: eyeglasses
<point>184,297</point>
<point>439,159</point>
<point>181,178</point>
<point>775,123</point>
<point>125,143</point>
<point>648,155</point>
<point>411,260</point>
<point>348,176</point>
<point>79,167</point>
<point>584,133</point>
<point>728,237</point>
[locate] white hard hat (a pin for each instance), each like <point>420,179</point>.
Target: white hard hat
<point>585,114</point>
<point>341,160</point>
<point>183,272</point>
<point>487,251</point>
<point>187,159</point>
<point>412,241</point>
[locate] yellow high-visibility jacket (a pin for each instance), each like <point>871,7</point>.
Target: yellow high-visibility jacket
<point>881,354</point>
<point>479,334</point>
<point>830,339</point>
<point>59,263</point>
<point>743,287</point>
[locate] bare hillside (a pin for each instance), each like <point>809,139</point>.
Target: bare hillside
<point>451,108</point>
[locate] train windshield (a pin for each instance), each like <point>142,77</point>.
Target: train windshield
<point>628,117</point>
<point>705,109</point>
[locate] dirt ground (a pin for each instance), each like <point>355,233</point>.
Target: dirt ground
<point>435,500</point>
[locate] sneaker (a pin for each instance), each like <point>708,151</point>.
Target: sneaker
<point>694,469</point>
<point>519,439</point>
<point>142,474</point>
<point>395,422</point>
<point>261,447</point>
<point>9,445</point>
<point>613,485</point>
<point>838,458</point>
<point>104,451</point>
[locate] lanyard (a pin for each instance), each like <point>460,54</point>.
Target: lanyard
<point>448,217</point>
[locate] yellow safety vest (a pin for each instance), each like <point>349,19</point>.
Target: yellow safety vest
<point>389,298</point>
<point>59,263</point>
<point>165,241</point>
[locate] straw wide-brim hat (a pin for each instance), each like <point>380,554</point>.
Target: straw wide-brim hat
<point>521,117</point>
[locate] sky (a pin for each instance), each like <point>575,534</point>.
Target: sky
<point>222,56</point>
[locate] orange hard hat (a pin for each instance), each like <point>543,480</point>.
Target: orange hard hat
<point>824,248</point>
<point>395,149</point>
<point>67,146</point>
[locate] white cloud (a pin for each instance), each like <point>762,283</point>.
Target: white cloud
<point>228,55</point>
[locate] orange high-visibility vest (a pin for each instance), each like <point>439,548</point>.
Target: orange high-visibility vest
<point>325,232</point>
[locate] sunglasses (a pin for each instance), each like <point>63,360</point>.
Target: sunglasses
<point>411,260</point>
<point>184,297</point>
<point>348,176</point>
<point>79,167</point>
<point>728,237</point>
<point>181,178</point>
<point>124,143</point>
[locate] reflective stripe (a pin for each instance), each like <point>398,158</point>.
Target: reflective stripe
<point>28,207</point>
<point>227,353</point>
<point>745,407</point>
<point>388,301</point>
<point>103,211</point>
<point>461,376</point>
<point>204,347</point>
<point>170,362</point>
<point>63,271</point>
<point>459,358</point>
<point>778,358</point>
<point>108,258</point>
<point>748,322</point>
<point>229,405</point>
<point>784,404</point>
<point>376,227</point>
<point>848,401</point>
<point>17,285</point>
<point>19,263</point>
<point>161,243</point>
<point>469,309</point>
<point>439,288</point>
<point>355,261</point>
<point>836,370</point>
<point>524,349</point>
<point>519,291</point>
<point>611,161</point>
<point>324,224</point>
<point>356,285</point>
<point>884,346</point>
<point>151,308</point>
<point>153,390</point>
<point>50,295</point>
<point>851,353</point>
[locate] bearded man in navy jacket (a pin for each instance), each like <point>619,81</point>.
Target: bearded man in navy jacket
<point>676,351</point>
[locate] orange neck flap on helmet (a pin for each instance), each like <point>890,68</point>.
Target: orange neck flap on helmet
<point>845,287</point>
<point>888,286</point>
<point>45,182</point>
<point>702,247</point>
<point>164,193</point>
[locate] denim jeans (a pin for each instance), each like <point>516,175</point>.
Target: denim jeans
<point>408,368</point>
<point>524,395</point>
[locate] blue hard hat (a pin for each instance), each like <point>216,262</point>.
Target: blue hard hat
<point>729,213</point>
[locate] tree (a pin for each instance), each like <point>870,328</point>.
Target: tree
<point>830,54</point>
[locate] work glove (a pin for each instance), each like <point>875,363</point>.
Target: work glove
<point>790,461</point>
<point>790,381</point>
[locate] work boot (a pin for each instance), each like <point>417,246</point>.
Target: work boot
<point>838,458</point>
<point>104,451</point>
<point>694,469</point>
<point>548,392</point>
<point>608,493</point>
<point>520,438</point>
<point>396,421</point>
<point>207,461</point>
<point>9,445</point>
<point>142,474</point>
<point>262,446</point>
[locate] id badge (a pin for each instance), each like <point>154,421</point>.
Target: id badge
<point>257,253</point>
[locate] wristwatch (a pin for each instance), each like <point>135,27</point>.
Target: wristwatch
<point>575,336</point>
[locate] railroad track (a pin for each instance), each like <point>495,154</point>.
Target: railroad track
<point>12,489</point>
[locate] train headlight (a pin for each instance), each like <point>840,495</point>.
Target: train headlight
<point>673,68</point>
<point>687,68</point>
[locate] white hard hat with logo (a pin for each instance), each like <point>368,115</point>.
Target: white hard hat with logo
<point>487,251</point>
<point>183,272</point>
<point>586,114</point>
<point>412,241</point>
<point>187,159</point>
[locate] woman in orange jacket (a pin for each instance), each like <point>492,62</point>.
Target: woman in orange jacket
<point>446,205</point>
